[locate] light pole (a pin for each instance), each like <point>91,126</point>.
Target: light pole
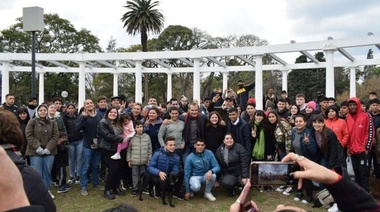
<point>33,21</point>
<point>64,94</point>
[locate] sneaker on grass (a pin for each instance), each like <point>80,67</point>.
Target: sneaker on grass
<point>84,192</point>
<point>288,191</point>
<point>298,197</point>
<point>281,188</point>
<point>209,196</point>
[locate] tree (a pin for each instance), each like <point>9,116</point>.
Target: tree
<point>59,35</point>
<point>307,81</point>
<point>142,17</point>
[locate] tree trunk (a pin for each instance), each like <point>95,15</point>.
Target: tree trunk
<point>144,43</point>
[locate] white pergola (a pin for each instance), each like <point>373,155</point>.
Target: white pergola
<point>197,62</point>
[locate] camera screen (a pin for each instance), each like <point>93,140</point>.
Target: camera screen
<point>272,173</point>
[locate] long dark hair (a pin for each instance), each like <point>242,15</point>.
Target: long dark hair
<point>21,111</point>
<point>116,122</point>
<point>324,138</point>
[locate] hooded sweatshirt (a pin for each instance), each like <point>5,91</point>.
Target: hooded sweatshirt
<point>361,129</point>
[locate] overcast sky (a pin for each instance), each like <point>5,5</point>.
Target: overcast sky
<point>277,21</point>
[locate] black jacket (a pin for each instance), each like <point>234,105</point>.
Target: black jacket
<point>34,186</point>
<point>243,134</point>
<point>238,161</point>
<point>72,133</point>
<point>336,156</point>
<point>107,136</point>
<point>214,137</point>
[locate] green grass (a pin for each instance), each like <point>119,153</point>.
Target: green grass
<point>73,201</point>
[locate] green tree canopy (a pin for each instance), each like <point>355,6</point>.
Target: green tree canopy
<point>59,35</point>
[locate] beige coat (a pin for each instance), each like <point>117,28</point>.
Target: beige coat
<point>40,134</point>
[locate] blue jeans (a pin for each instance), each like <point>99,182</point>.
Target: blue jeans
<point>197,181</point>
<point>91,158</point>
<point>44,165</point>
<point>75,158</point>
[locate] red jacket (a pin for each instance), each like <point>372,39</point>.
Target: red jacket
<point>361,129</point>
<point>339,127</point>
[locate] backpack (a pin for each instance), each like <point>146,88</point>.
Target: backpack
<point>323,199</point>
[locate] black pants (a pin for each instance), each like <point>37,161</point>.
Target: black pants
<point>360,163</point>
<point>229,182</point>
<point>114,170</point>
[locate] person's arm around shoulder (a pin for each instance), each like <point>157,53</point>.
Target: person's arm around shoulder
<point>161,134</point>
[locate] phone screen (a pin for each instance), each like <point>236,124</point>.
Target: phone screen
<point>272,173</point>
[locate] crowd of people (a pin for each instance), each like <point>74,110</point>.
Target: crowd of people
<point>118,140</point>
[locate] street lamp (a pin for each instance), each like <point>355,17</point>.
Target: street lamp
<point>64,94</point>
<point>33,21</point>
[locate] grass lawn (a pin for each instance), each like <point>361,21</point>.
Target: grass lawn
<point>74,201</point>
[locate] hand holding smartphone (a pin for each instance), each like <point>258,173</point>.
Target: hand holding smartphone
<point>243,205</point>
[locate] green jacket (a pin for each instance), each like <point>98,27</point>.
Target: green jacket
<point>139,150</point>
<point>40,134</point>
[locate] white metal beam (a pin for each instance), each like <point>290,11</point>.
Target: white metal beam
<point>159,62</point>
<point>217,62</point>
<point>250,62</point>
<point>346,54</point>
<point>107,64</point>
<point>276,58</point>
<point>188,62</point>
<point>58,64</point>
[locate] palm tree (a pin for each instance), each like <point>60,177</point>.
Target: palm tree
<point>142,17</point>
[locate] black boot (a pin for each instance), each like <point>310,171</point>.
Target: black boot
<point>108,194</point>
<point>118,192</point>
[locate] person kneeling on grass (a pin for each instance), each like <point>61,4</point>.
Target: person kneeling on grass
<point>201,167</point>
<point>163,162</point>
<point>347,194</point>
<point>138,155</point>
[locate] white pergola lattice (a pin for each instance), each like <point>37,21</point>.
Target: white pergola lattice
<point>197,62</point>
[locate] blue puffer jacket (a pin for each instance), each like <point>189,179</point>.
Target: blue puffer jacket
<point>197,164</point>
<point>164,162</point>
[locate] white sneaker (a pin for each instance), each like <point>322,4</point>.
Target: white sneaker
<point>281,188</point>
<point>288,191</point>
<point>333,208</point>
<point>52,196</point>
<point>209,196</point>
<point>116,156</point>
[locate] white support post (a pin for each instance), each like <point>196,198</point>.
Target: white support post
<point>5,80</point>
<point>197,80</point>
<point>330,82</point>
<point>225,81</point>
<point>41,87</point>
<point>285,80</point>
<point>138,82</point>
<point>352,81</point>
<point>169,86</point>
<point>115,84</point>
<point>82,84</point>
<point>259,82</point>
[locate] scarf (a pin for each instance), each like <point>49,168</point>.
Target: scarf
<point>259,148</point>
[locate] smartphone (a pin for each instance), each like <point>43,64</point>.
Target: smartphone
<point>272,173</point>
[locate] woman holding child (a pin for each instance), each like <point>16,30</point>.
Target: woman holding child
<point>110,133</point>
